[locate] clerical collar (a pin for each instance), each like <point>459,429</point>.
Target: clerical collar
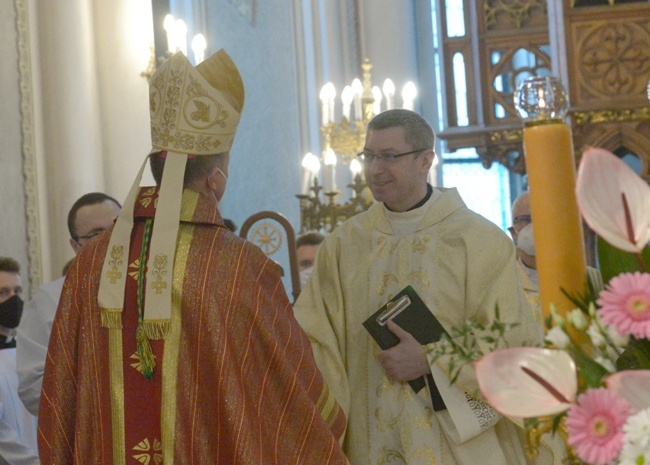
<point>421,202</point>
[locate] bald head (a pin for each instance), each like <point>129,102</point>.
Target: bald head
<point>521,206</point>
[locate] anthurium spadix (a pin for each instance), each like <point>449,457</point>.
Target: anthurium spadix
<point>526,382</point>
<point>613,200</point>
<point>633,386</point>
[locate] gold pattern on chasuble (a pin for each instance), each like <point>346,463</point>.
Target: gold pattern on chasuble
<point>147,196</point>
<point>138,364</point>
<point>146,453</point>
<point>159,272</point>
<point>115,260</point>
<point>133,268</point>
<point>403,271</point>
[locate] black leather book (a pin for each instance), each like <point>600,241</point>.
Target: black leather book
<point>408,311</point>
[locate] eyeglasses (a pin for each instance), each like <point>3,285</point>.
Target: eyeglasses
<point>368,157</point>
<point>87,237</point>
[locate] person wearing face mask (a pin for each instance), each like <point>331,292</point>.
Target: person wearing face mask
<point>175,339</point>
<point>306,248</point>
<point>17,425</point>
<point>523,236</point>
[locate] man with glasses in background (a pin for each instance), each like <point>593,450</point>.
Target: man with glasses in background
<point>461,265</point>
<point>90,215</point>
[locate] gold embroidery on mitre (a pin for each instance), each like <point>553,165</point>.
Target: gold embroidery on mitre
<point>159,271</point>
<point>117,252</point>
<point>187,113</point>
<point>147,452</point>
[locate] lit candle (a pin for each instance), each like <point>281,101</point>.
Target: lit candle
<point>376,104</point>
<point>311,166</point>
<point>357,90</point>
<point>346,100</point>
<point>170,29</point>
<point>331,97</point>
<point>408,96</point>
<point>550,165</point>
<point>181,36</point>
<point>389,93</point>
<point>330,163</point>
<point>324,100</point>
<point>198,47</point>
<point>355,169</point>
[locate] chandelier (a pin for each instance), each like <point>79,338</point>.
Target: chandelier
<point>320,209</point>
<point>176,32</point>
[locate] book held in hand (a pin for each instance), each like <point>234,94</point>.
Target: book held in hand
<point>410,313</point>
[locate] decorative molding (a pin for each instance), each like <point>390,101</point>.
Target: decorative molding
<point>28,145</point>
<point>514,14</point>
<point>581,118</point>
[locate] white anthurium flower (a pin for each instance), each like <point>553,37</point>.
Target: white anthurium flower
<point>603,185</point>
<point>633,386</point>
<point>526,382</point>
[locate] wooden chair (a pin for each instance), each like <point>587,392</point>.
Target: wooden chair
<point>266,230</point>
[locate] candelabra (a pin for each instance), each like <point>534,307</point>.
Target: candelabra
<point>319,209</point>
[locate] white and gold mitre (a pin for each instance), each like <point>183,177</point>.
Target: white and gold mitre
<point>193,111</point>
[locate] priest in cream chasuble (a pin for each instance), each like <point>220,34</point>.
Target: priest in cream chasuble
<point>460,264</point>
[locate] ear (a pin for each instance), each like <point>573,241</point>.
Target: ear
<point>427,160</point>
<point>212,179</point>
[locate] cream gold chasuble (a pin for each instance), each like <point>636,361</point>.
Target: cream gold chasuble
<point>462,266</point>
<point>235,380</point>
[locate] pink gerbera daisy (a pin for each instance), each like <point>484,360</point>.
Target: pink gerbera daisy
<point>595,426</point>
<point>625,304</point>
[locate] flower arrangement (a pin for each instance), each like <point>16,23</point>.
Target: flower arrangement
<point>594,394</point>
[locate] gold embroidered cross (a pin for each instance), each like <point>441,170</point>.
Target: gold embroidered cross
<point>114,275</point>
<point>159,285</point>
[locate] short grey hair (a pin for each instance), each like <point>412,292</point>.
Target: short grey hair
<point>417,131</point>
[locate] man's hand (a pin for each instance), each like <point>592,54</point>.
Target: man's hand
<point>405,361</point>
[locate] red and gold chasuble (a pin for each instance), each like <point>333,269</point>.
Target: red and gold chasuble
<point>235,379</point>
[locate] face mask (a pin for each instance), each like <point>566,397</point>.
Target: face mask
<point>526,241</point>
<point>10,312</point>
<point>304,276</point>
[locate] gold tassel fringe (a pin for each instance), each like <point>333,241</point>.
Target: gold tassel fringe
<point>111,318</point>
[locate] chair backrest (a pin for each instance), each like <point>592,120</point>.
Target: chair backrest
<point>267,230</point>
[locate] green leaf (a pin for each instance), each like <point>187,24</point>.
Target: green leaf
<point>589,370</point>
<point>613,261</point>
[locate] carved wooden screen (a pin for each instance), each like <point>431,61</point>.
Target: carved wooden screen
<point>608,67</point>
<point>505,42</point>
<point>608,58</point>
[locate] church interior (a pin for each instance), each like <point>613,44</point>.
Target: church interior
<point>75,101</point>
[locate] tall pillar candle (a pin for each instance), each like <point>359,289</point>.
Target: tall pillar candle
<point>559,241</point>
